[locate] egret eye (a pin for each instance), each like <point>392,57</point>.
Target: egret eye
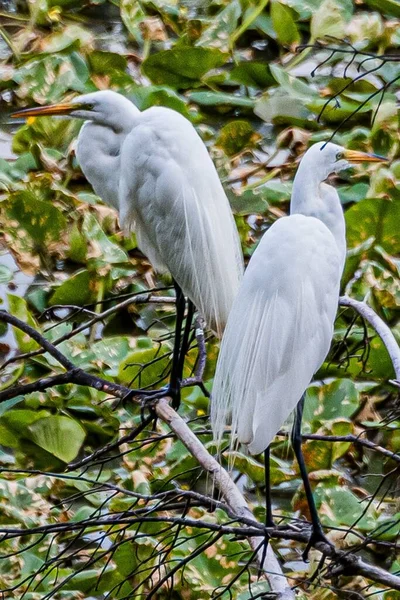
<point>339,155</point>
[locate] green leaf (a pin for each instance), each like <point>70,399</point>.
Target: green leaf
<point>19,308</point>
<point>332,401</point>
<point>377,218</point>
<point>389,7</point>
<point>5,406</point>
<point>252,73</point>
<point>284,24</point>
<point>235,136</point>
<point>154,95</point>
<point>48,79</point>
<point>292,85</point>
<point>71,36</point>
<point>328,21</point>
<point>58,435</point>
<point>182,66</point>
<point>353,193</point>
<point>77,246</point>
<point>135,371</point>
<point>42,220</point>
<point>249,202</point>
<point>283,109</point>
<point>75,290</point>
<point>220,99</point>
<point>103,62</point>
<point>345,508</point>
<point>222,26</point>
<point>109,252</point>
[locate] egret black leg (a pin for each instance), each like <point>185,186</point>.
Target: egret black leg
<point>317,534</point>
<point>174,383</point>
<point>182,354</point>
<point>269,522</point>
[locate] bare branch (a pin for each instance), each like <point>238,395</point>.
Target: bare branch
<point>230,493</point>
<point>381,329</point>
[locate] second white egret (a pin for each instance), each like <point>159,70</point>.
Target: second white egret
<point>281,325</point>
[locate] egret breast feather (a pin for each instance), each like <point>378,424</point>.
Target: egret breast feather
<point>279,331</point>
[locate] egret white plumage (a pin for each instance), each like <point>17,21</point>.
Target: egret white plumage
<point>281,325</point>
<point>153,167</point>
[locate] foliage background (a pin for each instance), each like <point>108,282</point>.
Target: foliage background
<point>231,68</point>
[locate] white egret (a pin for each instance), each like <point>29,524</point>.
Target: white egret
<point>280,328</point>
<point>153,167</point>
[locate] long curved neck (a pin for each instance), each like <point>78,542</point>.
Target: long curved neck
<point>314,198</point>
<point>98,152</point>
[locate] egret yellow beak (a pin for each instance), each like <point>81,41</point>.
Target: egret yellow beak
<point>354,156</point>
<point>64,108</point>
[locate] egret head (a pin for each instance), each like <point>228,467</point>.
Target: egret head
<point>105,107</point>
<point>325,158</point>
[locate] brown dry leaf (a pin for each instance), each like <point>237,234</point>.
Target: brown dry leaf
<point>295,138</point>
<point>153,29</point>
<point>368,412</point>
<point>28,263</point>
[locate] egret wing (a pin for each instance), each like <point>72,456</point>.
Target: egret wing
<point>171,196</point>
<point>279,330</point>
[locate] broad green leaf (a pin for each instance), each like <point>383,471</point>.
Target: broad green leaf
<point>283,109</point>
<point>5,406</point>
<point>353,193</point>
<point>106,249</point>
<point>377,218</point>
<point>328,21</point>
<point>41,219</point>
<point>344,508</point>
<point>58,435</point>
<point>284,24</point>
<point>155,95</point>
<point>220,99</point>
<point>252,73</point>
<point>389,7</point>
<point>134,372</point>
<point>48,79</point>
<point>249,202</point>
<point>220,28</point>
<point>75,290</point>
<point>103,62</point>
<point>235,136</point>
<point>132,15</point>
<point>71,36</point>
<point>292,85</point>
<point>331,401</point>
<point>388,529</point>
<point>126,559</point>
<point>182,66</point>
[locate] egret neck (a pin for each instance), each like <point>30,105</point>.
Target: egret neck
<point>102,167</point>
<point>314,198</point>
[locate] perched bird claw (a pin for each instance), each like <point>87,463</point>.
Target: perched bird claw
<point>148,398</point>
<point>317,536</point>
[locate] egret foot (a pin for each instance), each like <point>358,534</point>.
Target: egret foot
<point>317,536</point>
<point>150,396</point>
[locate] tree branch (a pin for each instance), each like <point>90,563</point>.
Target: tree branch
<point>231,494</point>
<point>343,562</point>
<point>381,329</point>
